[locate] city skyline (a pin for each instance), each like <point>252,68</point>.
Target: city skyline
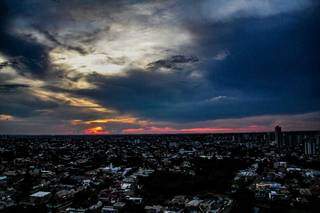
<point>159,67</point>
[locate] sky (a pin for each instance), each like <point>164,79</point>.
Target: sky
<point>158,66</point>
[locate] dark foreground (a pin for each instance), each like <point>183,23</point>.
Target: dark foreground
<point>161,173</point>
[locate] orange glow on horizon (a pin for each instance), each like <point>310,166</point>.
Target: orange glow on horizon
<point>98,130</point>
<point>170,130</point>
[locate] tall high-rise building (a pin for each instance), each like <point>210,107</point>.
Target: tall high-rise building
<point>278,136</point>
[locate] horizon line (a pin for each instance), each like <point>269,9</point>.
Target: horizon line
<point>132,134</point>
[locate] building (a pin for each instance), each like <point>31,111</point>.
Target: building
<point>3,181</point>
<point>292,141</point>
<point>312,147</point>
<point>278,136</point>
<point>40,197</point>
<point>108,209</point>
<point>153,209</point>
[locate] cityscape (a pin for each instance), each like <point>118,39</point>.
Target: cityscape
<point>159,106</point>
<point>234,172</point>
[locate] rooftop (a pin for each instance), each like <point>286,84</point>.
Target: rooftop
<point>40,194</point>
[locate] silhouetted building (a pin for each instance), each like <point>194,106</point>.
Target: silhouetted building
<point>278,136</point>
<point>312,146</point>
<point>309,148</point>
<point>292,141</point>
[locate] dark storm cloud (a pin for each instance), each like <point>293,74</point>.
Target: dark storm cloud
<point>274,59</point>
<point>238,58</point>
<point>172,62</point>
<point>43,16</point>
<point>32,55</point>
<point>4,88</point>
<point>148,94</point>
<point>22,103</point>
<point>175,96</point>
<point>271,68</point>
<point>15,62</point>
<point>4,64</point>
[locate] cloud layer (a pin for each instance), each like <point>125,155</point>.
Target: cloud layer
<point>72,67</point>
